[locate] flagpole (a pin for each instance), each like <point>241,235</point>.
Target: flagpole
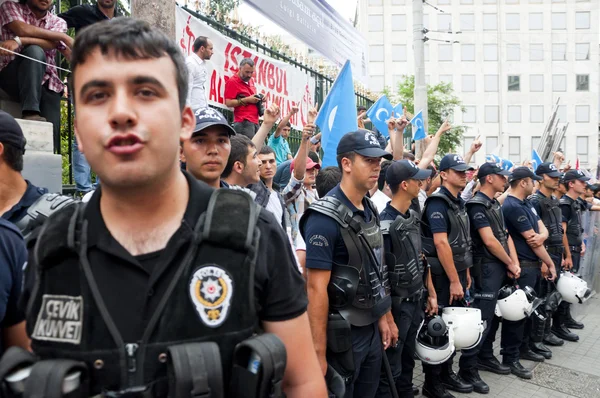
<point>420,91</point>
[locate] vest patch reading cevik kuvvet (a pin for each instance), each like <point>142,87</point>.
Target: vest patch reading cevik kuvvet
<point>60,319</point>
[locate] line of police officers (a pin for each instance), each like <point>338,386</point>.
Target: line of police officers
<point>371,278</point>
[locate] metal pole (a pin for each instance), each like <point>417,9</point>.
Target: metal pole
<point>420,91</point>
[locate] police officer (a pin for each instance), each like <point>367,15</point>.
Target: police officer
<point>572,207</point>
<point>347,278</point>
<point>548,209</point>
<point>447,246</point>
<point>402,239</point>
<point>493,256</point>
<point>139,274</point>
<point>529,234</point>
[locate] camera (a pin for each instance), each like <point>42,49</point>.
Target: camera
<point>260,105</point>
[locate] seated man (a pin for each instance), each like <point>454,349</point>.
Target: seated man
<point>30,29</point>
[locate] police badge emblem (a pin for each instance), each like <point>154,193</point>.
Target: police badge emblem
<point>211,290</point>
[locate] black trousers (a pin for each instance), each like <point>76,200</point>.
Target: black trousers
<point>491,278</point>
<point>22,79</point>
<point>576,256</point>
<point>408,316</point>
<point>442,288</point>
<point>246,128</point>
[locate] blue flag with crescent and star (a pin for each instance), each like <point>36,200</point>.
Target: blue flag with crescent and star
<point>505,164</point>
<point>337,115</point>
<point>398,110</point>
<point>535,159</point>
<point>418,126</point>
<point>380,112</point>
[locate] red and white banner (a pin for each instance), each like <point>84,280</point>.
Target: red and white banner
<point>280,83</point>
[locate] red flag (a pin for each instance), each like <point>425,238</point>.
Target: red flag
<point>577,164</point>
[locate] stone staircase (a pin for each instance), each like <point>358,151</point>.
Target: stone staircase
<point>40,165</point>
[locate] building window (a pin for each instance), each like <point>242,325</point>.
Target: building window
<point>561,114</point>
<point>444,52</point>
<point>514,113</point>
<point>491,144</point>
<point>398,52</point>
<point>559,51</point>
<point>447,79</point>
<point>375,2</point>
<point>536,113</point>
<point>375,23</point>
<point>559,82</point>
<point>582,149</point>
<point>490,52</point>
<point>536,52</point>
<point>467,22</point>
<point>514,83</point>
<point>513,52</point>
<point>490,22</point>
<point>559,20</point>
<point>467,52</point>
<point>468,83</point>
<point>469,114</point>
<point>582,20</point>
<point>445,22</point>
<point>467,141</point>
<point>582,113</point>
<point>535,142</point>
<point>377,83</point>
<point>536,83</point>
<point>490,83</point>
<point>536,21</point>
<point>398,22</point>
<point>582,51</point>
<point>514,149</point>
<point>376,53</point>
<point>583,83</point>
<point>513,22</point>
<point>491,115</point>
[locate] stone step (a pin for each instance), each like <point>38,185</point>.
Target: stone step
<point>43,169</point>
<point>38,135</point>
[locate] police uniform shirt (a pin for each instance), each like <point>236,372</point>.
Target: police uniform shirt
<point>324,242</point>
<point>13,257</point>
<point>520,216</point>
<point>437,211</point>
<point>477,215</point>
<point>132,286</point>
<point>18,211</point>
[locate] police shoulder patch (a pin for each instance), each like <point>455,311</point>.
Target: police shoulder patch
<point>211,290</point>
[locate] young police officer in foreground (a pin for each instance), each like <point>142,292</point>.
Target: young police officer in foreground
<point>138,268</point>
<point>402,239</point>
<point>348,289</point>
<point>494,256</point>
<point>447,246</point>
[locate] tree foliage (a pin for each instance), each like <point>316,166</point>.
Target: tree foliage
<point>441,103</point>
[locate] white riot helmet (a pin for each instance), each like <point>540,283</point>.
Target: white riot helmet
<point>512,304</point>
<point>573,289</point>
<point>435,341</point>
<point>466,324</point>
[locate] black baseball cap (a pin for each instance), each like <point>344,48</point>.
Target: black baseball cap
<point>548,169</point>
<point>10,132</point>
<point>519,173</point>
<point>454,162</point>
<point>573,175</point>
<point>402,170</point>
<point>489,168</point>
<point>208,117</point>
<point>364,143</point>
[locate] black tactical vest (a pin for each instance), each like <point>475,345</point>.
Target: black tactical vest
<point>574,226</point>
<point>359,290</point>
<point>459,236</point>
<point>493,213</point>
<point>405,265</point>
<point>552,218</point>
<point>210,297</point>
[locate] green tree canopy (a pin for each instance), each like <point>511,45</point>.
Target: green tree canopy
<point>441,102</point>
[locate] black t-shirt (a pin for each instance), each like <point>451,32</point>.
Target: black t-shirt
<point>79,17</point>
<point>132,287</point>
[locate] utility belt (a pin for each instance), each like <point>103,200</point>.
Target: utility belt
<point>575,249</point>
<point>414,298</point>
<point>194,370</point>
<point>555,250</point>
<point>530,264</point>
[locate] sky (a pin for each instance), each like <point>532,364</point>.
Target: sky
<point>249,15</point>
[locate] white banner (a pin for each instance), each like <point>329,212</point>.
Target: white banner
<point>280,83</point>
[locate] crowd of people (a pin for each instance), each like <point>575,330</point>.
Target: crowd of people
<point>202,233</point>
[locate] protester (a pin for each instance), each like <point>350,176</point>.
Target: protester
<point>243,165</point>
<point>29,28</point>
<point>266,196</point>
<point>240,94</point>
<point>197,73</point>
<point>278,141</point>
